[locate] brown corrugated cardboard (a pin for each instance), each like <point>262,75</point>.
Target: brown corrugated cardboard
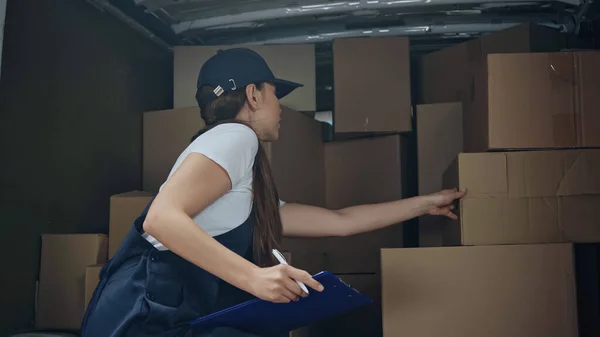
<point>447,74</point>
<point>166,134</point>
<point>543,100</point>
<point>526,173</point>
<point>459,73</point>
<point>298,169</point>
<point>363,321</point>
<point>362,172</point>
<point>298,153</point>
<point>525,220</point>
<point>124,209</point>
<point>371,85</point>
<point>92,277</point>
<point>492,291</point>
<point>61,292</point>
<point>293,62</point>
<point>525,197</point>
<point>439,141</point>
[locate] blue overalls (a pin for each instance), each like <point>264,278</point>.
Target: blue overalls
<point>147,292</point>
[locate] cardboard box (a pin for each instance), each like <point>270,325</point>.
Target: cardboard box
<point>377,68</point>
<point>439,141</point>
<point>166,134</point>
<point>361,172</point>
<point>293,62</point>
<point>297,159</point>
<point>92,277</point>
<point>61,289</point>
<point>447,74</point>
<point>363,321</point>
<point>525,197</point>
<point>543,100</point>
<point>493,291</point>
<point>124,209</point>
<point>460,74</point>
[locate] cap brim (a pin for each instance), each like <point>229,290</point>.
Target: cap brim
<point>284,88</point>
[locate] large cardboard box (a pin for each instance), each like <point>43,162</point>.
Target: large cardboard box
<point>526,197</point>
<point>460,74</point>
<point>493,291</point>
<point>447,74</point>
<point>124,209</point>
<point>361,172</point>
<point>360,322</point>
<point>61,289</point>
<point>166,133</point>
<point>543,100</point>
<point>293,62</point>
<point>439,141</point>
<point>297,159</point>
<point>377,69</point>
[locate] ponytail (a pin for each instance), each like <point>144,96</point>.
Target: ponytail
<point>268,230</point>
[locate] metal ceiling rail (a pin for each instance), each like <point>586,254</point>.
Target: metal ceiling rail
<point>329,9</point>
<point>453,30</point>
<point>104,5</point>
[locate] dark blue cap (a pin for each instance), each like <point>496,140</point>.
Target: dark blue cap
<point>235,68</point>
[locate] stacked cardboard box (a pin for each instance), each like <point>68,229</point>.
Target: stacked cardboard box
<point>513,263</point>
<point>62,295</point>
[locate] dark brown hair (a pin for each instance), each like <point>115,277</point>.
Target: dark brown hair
<point>268,229</point>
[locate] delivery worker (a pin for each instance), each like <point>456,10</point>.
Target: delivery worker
<point>205,241</point>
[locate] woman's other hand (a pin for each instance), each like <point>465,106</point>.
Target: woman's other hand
<point>442,203</point>
<point>278,283</point>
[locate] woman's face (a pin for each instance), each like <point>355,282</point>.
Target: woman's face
<point>265,119</point>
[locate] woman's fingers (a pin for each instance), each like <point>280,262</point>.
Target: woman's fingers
<point>306,278</point>
<point>293,287</point>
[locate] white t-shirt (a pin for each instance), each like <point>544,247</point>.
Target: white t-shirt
<point>233,146</point>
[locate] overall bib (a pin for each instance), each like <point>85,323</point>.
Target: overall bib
<point>146,292</point>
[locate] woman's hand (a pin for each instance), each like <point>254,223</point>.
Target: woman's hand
<point>442,202</point>
<point>277,283</point>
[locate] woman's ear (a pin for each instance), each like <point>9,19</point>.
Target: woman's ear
<point>252,96</point>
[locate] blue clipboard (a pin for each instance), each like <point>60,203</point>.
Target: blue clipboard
<point>266,318</point>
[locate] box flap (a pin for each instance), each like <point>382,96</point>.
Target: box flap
<point>553,173</point>
<point>483,174</point>
<point>527,173</point>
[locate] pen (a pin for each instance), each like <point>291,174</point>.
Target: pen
<point>282,260</point>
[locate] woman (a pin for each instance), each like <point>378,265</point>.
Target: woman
<point>205,242</point>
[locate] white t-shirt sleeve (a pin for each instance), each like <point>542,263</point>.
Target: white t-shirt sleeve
<point>232,146</point>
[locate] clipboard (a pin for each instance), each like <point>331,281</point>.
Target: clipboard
<point>266,318</point>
